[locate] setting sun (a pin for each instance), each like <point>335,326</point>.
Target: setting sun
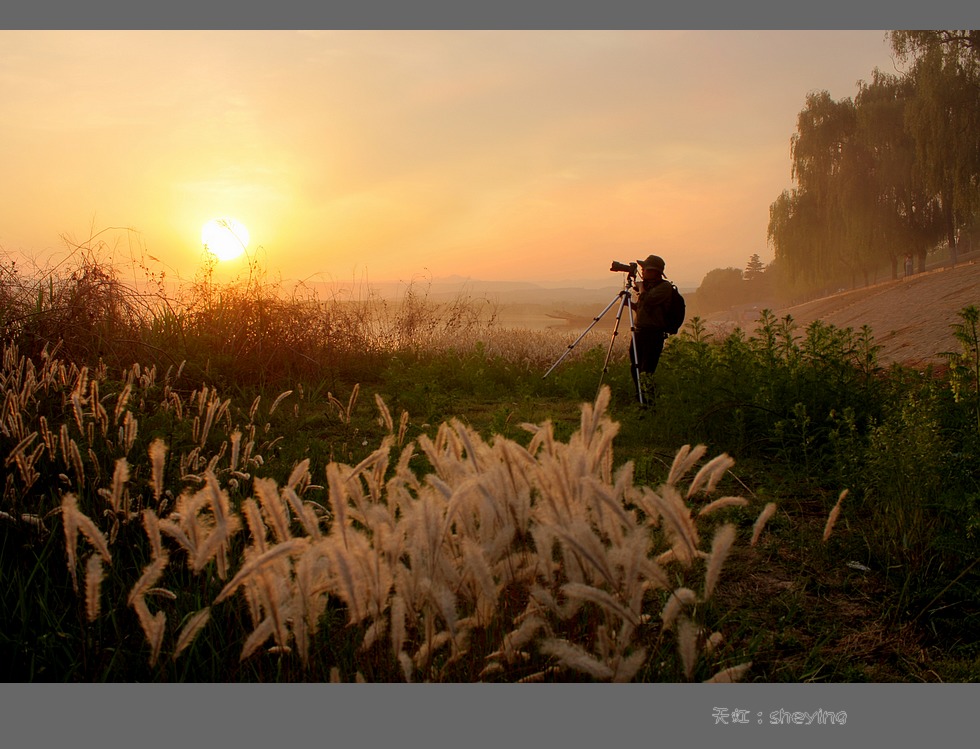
<point>225,238</point>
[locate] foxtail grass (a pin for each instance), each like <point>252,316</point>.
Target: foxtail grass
<point>538,560</point>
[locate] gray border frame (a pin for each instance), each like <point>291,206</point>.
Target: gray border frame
<point>44,715</point>
<point>502,14</point>
<point>482,715</point>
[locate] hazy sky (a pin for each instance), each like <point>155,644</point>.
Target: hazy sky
<point>534,155</point>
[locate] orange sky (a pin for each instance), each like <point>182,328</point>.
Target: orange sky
<point>506,155</point>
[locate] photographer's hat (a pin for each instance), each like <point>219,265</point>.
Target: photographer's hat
<point>654,261</point>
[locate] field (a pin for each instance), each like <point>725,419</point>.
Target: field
<point>237,484</point>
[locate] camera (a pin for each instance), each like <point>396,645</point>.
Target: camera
<point>624,268</point>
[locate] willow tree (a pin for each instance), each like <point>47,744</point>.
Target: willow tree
<point>902,213</point>
<point>795,236</point>
<point>862,236</point>
<point>944,119</point>
<point>832,169</point>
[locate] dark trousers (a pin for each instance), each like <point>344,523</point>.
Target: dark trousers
<point>649,346</point>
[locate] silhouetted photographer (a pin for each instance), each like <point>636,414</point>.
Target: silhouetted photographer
<point>653,291</point>
<point>659,313</point>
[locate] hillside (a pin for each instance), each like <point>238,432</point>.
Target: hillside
<point>911,318</point>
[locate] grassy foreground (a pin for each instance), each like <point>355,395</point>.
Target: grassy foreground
<point>240,485</point>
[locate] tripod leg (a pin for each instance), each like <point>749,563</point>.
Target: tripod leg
<point>619,314</point>
<point>573,344</point>
<point>635,356</point>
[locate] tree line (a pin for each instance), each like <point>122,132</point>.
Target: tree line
<point>886,177</point>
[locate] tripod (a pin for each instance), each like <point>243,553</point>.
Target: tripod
<point>625,299</point>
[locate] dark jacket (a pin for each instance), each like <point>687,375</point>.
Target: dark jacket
<point>652,304</point>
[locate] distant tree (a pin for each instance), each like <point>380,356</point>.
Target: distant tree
<point>944,119</point>
<point>816,150</point>
<point>795,233</point>
<point>721,288</point>
<point>780,286</point>
<point>904,215</point>
<point>964,44</point>
<point>754,269</point>
<point>784,236</point>
<point>832,167</point>
<point>894,171</point>
<point>757,281</point>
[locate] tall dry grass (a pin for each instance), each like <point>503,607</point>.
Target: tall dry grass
<point>96,312</point>
<point>450,556</point>
<point>102,303</point>
<point>535,561</point>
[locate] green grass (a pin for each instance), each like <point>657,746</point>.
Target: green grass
<point>892,595</point>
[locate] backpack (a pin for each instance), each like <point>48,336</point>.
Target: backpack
<point>674,316</point>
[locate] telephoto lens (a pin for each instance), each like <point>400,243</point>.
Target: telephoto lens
<point>623,267</point>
